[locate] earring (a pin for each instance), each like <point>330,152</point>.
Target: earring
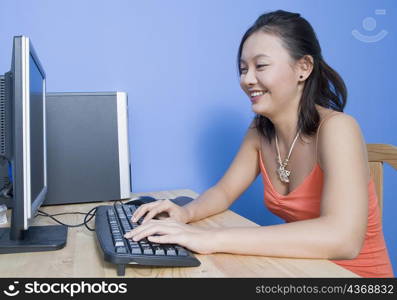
<point>301,76</point>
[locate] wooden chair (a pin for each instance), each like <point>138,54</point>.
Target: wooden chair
<point>377,155</point>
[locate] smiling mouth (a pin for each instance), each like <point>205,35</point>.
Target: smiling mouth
<point>255,95</point>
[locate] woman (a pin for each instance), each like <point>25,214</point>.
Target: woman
<point>311,155</point>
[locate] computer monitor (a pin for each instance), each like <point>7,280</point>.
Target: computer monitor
<point>23,148</point>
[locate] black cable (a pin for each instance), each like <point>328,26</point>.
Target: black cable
<point>59,222</point>
<point>60,214</point>
<point>87,218</point>
<point>91,216</point>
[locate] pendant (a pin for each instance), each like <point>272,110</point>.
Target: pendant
<point>283,173</point>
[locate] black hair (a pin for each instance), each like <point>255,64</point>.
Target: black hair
<point>324,86</point>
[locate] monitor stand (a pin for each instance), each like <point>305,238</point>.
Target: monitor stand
<point>35,239</point>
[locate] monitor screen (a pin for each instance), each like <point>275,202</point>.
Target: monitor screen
<point>36,116</point>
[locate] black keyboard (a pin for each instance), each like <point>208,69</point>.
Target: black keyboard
<point>111,222</point>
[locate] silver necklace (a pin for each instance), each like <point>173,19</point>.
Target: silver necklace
<point>283,173</point>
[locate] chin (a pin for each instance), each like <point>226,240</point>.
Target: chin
<point>260,110</point>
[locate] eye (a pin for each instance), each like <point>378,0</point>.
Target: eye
<point>261,66</point>
<point>243,70</point>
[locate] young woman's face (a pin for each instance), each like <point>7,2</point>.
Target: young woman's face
<point>267,75</point>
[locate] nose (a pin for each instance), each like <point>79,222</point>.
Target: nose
<point>248,79</point>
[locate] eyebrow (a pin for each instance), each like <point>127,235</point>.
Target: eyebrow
<point>256,56</point>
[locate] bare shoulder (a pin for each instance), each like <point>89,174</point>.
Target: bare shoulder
<point>252,136</point>
<point>340,135</point>
<point>342,124</point>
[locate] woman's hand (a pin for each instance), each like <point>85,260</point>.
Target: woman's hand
<point>152,209</point>
<point>169,231</point>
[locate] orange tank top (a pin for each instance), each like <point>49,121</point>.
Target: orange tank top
<point>304,203</point>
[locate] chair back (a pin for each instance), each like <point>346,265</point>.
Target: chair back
<point>377,155</point>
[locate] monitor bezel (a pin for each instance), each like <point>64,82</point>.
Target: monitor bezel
<point>23,50</point>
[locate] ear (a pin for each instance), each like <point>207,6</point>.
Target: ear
<point>304,67</point>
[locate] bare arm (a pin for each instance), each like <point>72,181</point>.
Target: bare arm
<point>241,173</point>
<point>338,233</point>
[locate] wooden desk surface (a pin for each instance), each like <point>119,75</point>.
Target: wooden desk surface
<point>82,258</point>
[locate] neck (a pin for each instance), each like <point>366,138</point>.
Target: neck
<point>286,125</point>
<point>286,133</point>
<point>285,121</point>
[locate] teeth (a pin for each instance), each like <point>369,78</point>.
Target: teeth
<point>254,94</point>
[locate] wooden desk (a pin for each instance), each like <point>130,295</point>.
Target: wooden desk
<point>82,258</point>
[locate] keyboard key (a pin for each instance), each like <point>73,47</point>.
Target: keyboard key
<point>118,243</point>
<point>181,251</point>
<point>170,251</point>
<point>146,249</point>
<point>158,250</point>
<point>135,248</point>
<point>132,243</point>
<point>127,212</point>
<point>121,250</point>
<point>126,226</point>
<point>115,231</point>
<point>136,251</point>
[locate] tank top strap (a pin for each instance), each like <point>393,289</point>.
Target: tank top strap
<point>326,117</point>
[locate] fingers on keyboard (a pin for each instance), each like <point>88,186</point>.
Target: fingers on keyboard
<point>150,210</point>
<point>152,213</point>
<point>142,210</point>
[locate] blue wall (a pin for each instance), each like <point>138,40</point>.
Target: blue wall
<point>176,60</point>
